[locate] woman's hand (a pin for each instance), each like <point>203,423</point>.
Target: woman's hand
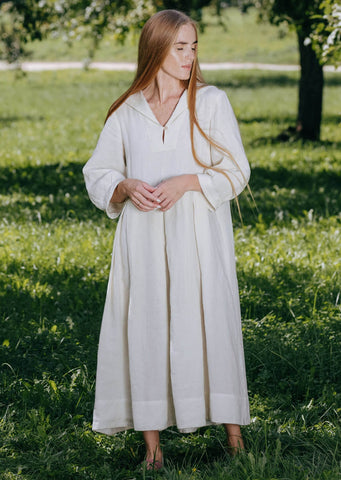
<point>171,190</point>
<point>140,193</point>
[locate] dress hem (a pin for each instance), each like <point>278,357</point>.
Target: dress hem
<point>114,430</point>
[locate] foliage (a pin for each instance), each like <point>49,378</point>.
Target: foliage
<point>326,37</point>
<point>298,13</point>
<point>20,22</point>
<point>55,256</point>
<point>244,40</point>
<point>190,7</point>
<point>319,21</point>
<point>79,19</point>
<point>26,20</point>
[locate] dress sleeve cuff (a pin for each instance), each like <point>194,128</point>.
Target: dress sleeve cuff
<point>215,187</point>
<point>113,209</point>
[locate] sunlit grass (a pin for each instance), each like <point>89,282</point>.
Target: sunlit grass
<point>55,252</point>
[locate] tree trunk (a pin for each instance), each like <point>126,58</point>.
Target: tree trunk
<point>310,92</point>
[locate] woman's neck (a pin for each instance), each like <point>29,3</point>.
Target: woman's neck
<point>163,88</point>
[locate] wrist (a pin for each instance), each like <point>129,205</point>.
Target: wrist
<point>122,190</point>
<point>119,194</point>
<point>191,182</point>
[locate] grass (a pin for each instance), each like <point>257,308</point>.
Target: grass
<point>241,38</point>
<point>55,253</point>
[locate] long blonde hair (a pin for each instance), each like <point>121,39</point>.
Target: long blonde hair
<point>157,37</point>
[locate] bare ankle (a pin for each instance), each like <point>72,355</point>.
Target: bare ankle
<point>234,439</point>
<point>153,452</point>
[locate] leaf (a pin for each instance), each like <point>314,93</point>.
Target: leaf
<point>53,385</point>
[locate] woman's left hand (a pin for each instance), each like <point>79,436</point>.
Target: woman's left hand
<point>171,190</point>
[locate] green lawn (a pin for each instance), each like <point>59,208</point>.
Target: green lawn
<point>241,39</point>
<point>55,253</point>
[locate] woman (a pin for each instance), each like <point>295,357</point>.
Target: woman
<point>169,160</point>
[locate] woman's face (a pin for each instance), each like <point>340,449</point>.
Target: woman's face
<point>178,63</point>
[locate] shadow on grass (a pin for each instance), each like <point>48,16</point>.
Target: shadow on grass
<point>259,79</point>
<point>282,120</point>
<point>290,139</point>
<point>287,348</point>
<point>41,179</point>
<point>48,370</point>
<point>285,194</point>
<point>73,302</point>
<point>52,192</point>
<point>57,330</point>
<point>254,81</point>
<point>8,120</point>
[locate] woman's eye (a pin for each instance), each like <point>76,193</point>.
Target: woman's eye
<point>179,49</point>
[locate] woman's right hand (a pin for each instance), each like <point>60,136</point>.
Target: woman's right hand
<point>139,192</point>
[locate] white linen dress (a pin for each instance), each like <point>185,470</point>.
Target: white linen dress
<point>171,348</point>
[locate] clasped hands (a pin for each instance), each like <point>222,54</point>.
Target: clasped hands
<point>146,197</point>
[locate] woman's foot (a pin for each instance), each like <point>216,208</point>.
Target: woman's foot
<point>152,464</point>
<point>153,461</point>
<point>154,457</point>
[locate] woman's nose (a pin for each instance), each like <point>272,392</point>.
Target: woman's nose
<point>189,54</point>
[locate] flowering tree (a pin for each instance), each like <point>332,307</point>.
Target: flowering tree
<point>92,19</point>
<point>326,38</point>
<point>20,22</point>
<point>26,20</point>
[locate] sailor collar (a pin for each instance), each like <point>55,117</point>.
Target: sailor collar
<point>138,102</point>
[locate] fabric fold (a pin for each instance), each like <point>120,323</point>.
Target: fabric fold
<point>224,343</point>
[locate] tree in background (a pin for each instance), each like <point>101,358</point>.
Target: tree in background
<point>312,21</point>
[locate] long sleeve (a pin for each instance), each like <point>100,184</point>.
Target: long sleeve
<point>106,168</point>
<point>225,131</point>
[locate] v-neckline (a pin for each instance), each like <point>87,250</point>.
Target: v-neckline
<point>177,106</point>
